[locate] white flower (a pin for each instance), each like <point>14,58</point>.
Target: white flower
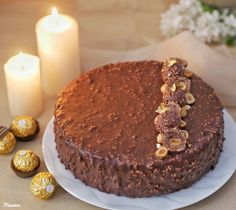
<point>229,25</point>
<point>208,27</point>
<point>230,20</point>
<point>179,17</point>
<point>189,15</point>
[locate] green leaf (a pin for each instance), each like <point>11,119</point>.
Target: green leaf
<point>208,8</point>
<point>230,41</point>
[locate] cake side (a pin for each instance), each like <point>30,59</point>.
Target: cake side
<point>105,135</point>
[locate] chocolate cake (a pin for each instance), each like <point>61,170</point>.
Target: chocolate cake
<point>111,133</point>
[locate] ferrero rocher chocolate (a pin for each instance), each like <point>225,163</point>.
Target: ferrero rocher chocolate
<point>43,185</point>
<point>177,99</point>
<point>25,163</point>
<point>24,127</point>
<point>7,140</point>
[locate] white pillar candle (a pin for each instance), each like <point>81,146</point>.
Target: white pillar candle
<point>24,85</point>
<point>58,47</point>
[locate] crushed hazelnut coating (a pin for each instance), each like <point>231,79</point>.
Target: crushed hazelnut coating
<point>163,88</point>
<point>188,74</point>
<point>162,108</point>
<point>183,124</point>
<point>158,145</point>
<point>187,107</point>
<point>189,98</point>
<point>25,160</point>
<point>173,87</point>
<point>7,143</point>
<point>182,85</point>
<point>183,112</point>
<point>159,138</point>
<point>171,62</point>
<point>23,126</point>
<point>185,134</point>
<point>43,185</point>
<point>161,152</point>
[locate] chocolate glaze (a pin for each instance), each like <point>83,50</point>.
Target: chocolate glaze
<point>105,135</point>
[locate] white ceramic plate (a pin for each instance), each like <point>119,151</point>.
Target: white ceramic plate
<point>210,183</point>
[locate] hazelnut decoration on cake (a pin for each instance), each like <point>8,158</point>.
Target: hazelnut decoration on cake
<point>139,128</point>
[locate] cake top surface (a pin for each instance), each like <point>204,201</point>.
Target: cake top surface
<point>109,113</point>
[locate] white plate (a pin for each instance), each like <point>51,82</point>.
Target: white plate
<point>210,183</point>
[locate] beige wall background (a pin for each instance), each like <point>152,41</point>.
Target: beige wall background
<point>107,24</point>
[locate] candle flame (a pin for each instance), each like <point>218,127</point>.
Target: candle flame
<point>54,12</point>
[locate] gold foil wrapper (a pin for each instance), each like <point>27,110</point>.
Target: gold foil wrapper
<point>23,126</point>
<point>25,160</point>
<point>7,143</point>
<point>43,185</point>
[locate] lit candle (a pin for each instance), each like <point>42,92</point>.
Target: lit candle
<point>58,47</point>
<point>24,85</point>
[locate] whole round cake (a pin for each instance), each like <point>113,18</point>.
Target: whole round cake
<point>139,128</point>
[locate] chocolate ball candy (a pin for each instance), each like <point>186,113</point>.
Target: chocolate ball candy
<point>25,163</point>
<point>43,185</point>
<point>172,68</point>
<point>178,97</point>
<point>7,140</point>
<point>167,120</point>
<point>174,139</point>
<point>24,127</point>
